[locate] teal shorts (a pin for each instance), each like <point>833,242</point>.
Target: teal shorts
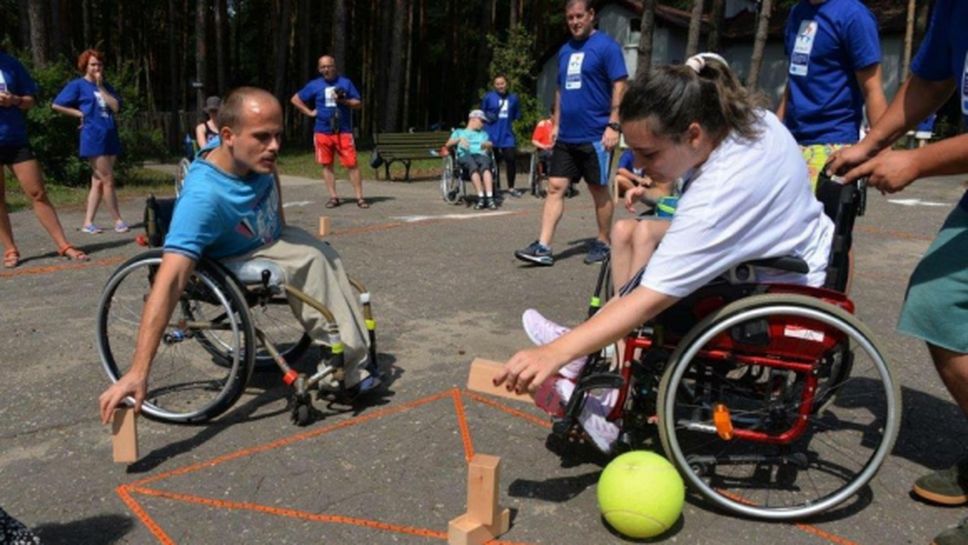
<point>936,305</point>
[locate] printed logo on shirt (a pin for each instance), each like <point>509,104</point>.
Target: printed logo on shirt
<point>573,75</point>
<point>964,87</point>
<point>3,82</point>
<point>503,112</point>
<point>330,94</point>
<point>101,104</point>
<point>800,58</point>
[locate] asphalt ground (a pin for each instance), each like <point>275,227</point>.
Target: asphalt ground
<point>446,289</point>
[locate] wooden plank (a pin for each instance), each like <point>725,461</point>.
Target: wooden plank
<point>481,379</point>
<point>483,475</point>
<point>124,435</point>
<point>464,531</point>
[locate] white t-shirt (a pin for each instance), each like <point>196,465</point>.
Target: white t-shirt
<point>749,200</point>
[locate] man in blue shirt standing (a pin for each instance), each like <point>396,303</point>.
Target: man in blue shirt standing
<point>834,72</point>
<point>502,109</point>
<point>936,305</point>
<point>591,81</point>
<point>332,98</point>
<point>231,207</point>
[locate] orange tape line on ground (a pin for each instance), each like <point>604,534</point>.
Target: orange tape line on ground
<point>293,438</point>
<point>510,410</point>
<point>27,271</point>
<point>465,432</point>
<point>302,515</point>
<point>143,516</point>
<point>833,538</point>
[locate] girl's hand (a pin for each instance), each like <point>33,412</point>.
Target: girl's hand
<point>528,369</point>
<point>632,196</point>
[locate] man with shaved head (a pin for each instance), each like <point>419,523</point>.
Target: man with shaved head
<point>331,99</point>
<point>231,208</point>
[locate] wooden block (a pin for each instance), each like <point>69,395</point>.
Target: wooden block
<point>124,434</point>
<point>483,475</point>
<point>481,377</point>
<point>502,525</point>
<point>324,225</point>
<point>464,531</point>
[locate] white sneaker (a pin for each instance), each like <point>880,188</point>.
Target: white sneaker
<point>594,419</point>
<point>543,331</point>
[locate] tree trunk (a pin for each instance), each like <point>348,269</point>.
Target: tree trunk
<point>646,32</point>
<point>394,83</point>
<point>759,44</point>
<point>86,22</point>
<point>201,6</point>
<point>717,15</point>
<point>513,12</point>
<point>221,17</point>
<point>695,28</point>
<point>338,47</point>
<point>57,30</point>
<point>37,13</point>
<point>908,38</point>
<point>408,66</point>
<point>281,48</point>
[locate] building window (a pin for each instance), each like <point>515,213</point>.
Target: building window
<point>635,31</point>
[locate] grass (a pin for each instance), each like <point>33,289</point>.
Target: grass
<point>139,182</point>
<point>303,163</point>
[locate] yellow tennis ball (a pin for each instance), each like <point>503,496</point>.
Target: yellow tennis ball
<point>640,494</point>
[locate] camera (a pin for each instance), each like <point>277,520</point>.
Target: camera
<point>339,93</point>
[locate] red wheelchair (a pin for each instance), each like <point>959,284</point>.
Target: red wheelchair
<point>772,400</point>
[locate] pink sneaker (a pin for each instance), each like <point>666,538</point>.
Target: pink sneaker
<point>553,395</point>
<point>542,331</point>
<point>594,419</point>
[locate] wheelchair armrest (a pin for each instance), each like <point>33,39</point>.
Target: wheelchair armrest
<point>783,263</point>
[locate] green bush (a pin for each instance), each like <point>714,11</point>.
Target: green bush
<point>54,137</point>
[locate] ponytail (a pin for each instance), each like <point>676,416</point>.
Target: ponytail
<point>703,91</point>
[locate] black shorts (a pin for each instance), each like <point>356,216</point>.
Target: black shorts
<point>11,155</point>
<point>574,161</point>
<point>475,162</point>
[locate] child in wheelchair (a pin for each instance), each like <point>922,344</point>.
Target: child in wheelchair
<point>236,213</point>
<point>745,197</point>
<point>472,145</point>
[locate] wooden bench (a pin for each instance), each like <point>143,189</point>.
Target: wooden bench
<point>406,147</point>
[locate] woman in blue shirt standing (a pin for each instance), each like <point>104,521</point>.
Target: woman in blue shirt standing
<point>502,109</point>
<point>95,103</point>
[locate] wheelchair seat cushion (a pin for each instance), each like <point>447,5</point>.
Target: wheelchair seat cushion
<point>249,271</point>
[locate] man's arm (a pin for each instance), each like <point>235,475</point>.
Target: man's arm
<point>610,137</point>
<point>528,369</point>
<point>872,87</point>
<point>301,106</point>
<point>24,102</point>
<point>351,103</point>
<point>556,117</point>
<point>173,274</point>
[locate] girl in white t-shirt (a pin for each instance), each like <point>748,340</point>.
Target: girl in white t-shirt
<point>745,197</point>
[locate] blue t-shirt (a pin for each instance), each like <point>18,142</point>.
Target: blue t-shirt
<point>220,215</point>
<point>321,95</point>
<point>475,140</point>
<point>14,79</point>
<point>627,161</point>
<point>501,112</point>
<point>99,134</point>
<point>586,72</point>
<point>827,43</point>
<point>944,53</point>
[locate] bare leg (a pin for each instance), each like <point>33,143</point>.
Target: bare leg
<point>621,260</point>
<point>32,182</point>
<point>104,167</point>
<point>93,199</point>
<point>488,182</point>
<point>646,238</point>
<point>554,206</point>
<point>953,369</point>
<point>476,180</point>
<point>6,232</point>
<point>357,180</point>
<point>603,209</point>
<point>330,178</point>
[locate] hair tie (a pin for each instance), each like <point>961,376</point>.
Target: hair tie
<point>698,62</point>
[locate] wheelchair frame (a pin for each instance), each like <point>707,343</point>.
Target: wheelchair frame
<point>453,184</point>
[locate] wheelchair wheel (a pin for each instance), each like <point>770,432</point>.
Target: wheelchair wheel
<point>450,184</point>
<point>757,420</point>
<point>187,384</point>
<point>180,173</point>
<point>275,319</point>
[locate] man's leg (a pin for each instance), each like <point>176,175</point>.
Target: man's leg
<point>953,369</point>
<point>324,157</point>
<point>604,207</point>
<point>554,207</point>
<point>329,176</point>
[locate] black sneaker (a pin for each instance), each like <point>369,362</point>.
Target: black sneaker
<point>948,486</point>
<point>597,252</point>
<point>491,204</point>
<point>953,536</point>
<point>480,204</point>
<point>516,193</point>
<point>536,253</point>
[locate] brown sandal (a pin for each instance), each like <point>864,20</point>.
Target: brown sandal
<point>11,258</point>
<point>72,253</point>
<point>362,203</point>
<point>333,202</point>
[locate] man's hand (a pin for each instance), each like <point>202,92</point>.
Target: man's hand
<point>891,171</point>
<point>845,159</point>
<point>131,384</point>
<point>6,100</point>
<point>311,113</point>
<point>528,369</point>
<point>609,139</point>
<point>632,196</point>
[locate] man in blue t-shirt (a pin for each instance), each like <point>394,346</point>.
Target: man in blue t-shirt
<point>502,109</point>
<point>591,81</point>
<point>331,99</point>
<point>936,305</point>
<point>834,71</point>
<point>230,207</point>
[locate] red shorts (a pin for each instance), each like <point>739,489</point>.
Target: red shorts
<point>341,144</point>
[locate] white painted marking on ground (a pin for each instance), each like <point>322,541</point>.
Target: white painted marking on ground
<point>297,203</point>
<point>916,202</point>
<point>412,219</point>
